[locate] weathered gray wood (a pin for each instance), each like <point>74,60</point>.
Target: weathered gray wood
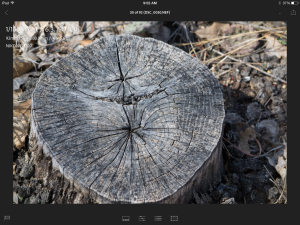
<point>130,120</point>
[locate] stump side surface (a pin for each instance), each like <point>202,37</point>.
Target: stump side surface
<point>128,119</point>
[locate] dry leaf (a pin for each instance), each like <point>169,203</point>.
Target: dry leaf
<point>26,35</point>
<point>16,94</point>
<point>71,28</point>
<point>14,168</point>
<point>211,31</point>
<point>21,66</point>
<point>275,48</point>
<point>15,198</point>
<point>245,134</point>
<point>271,161</point>
<point>21,117</point>
<point>17,82</point>
<point>48,59</point>
<point>85,42</point>
<point>281,165</point>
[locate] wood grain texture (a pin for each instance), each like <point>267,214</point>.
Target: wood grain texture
<point>130,120</point>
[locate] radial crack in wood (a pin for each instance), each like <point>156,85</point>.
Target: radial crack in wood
<point>130,120</point>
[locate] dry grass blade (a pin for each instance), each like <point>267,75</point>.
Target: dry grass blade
<point>228,53</point>
<point>231,36</point>
<point>271,75</point>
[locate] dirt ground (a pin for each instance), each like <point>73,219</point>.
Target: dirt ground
<point>255,106</point>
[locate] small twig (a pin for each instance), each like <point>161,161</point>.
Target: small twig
<point>273,181</point>
<point>229,37</point>
<point>268,152</point>
<point>269,100</point>
<point>221,73</point>
<point>218,63</point>
<point>243,150</point>
<point>220,53</point>
<point>252,197</point>
<point>228,53</point>
<point>173,33</point>
<point>188,38</point>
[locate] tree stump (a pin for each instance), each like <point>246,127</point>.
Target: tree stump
<point>130,120</point>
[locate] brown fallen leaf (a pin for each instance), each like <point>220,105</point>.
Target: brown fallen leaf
<point>16,94</point>
<point>21,66</point>
<point>14,168</point>
<point>245,134</point>
<point>21,118</point>
<point>85,42</point>
<point>211,31</point>
<point>275,48</point>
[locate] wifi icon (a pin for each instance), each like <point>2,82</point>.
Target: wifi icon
<point>12,2</point>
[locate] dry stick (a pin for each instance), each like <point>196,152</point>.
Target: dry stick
<point>273,181</point>
<point>187,35</point>
<point>273,76</point>
<point>221,73</point>
<point>218,63</point>
<point>269,152</point>
<point>228,53</point>
<point>229,37</point>
<point>244,151</point>
<point>253,63</point>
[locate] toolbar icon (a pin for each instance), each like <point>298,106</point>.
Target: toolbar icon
<point>157,218</point>
<point>293,12</point>
<point>174,218</point>
<point>141,218</point>
<point>125,218</point>
<point>6,218</point>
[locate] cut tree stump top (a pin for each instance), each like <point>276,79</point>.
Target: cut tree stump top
<point>128,119</point>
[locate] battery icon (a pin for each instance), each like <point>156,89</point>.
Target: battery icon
<point>294,3</point>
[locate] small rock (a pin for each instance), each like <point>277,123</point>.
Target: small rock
<point>247,59</point>
<point>280,72</point>
<point>246,71</point>
<point>272,62</point>
<point>257,84</point>
<point>276,107</point>
<point>219,191</point>
<point>254,72</point>
<point>255,57</point>
<point>234,178</point>
<point>23,192</point>
<point>28,87</point>
<point>226,67</point>
<point>269,87</point>
<point>253,111</point>
<point>229,201</point>
<point>26,171</point>
<point>246,185</point>
<point>264,57</point>
<point>163,33</point>
<point>244,165</point>
<point>236,85</point>
<point>269,131</point>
